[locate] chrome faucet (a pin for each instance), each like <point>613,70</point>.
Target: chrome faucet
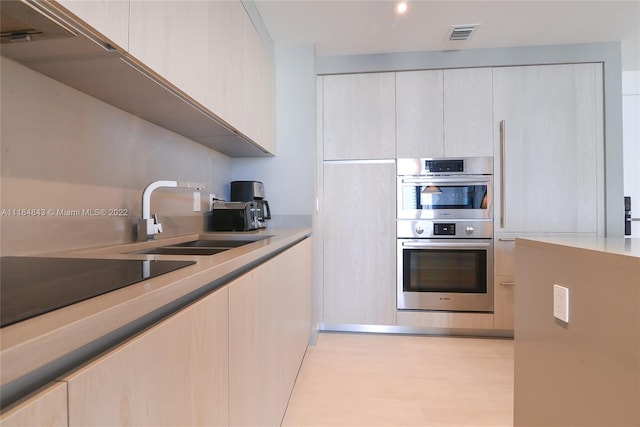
<point>149,226</point>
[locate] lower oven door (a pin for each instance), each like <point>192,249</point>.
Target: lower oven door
<point>445,274</point>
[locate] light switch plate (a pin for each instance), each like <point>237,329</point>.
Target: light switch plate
<point>561,303</point>
<point>196,201</point>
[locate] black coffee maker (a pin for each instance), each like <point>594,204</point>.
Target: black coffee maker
<point>250,191</point>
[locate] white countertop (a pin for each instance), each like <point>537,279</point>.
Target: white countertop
<point>37,342</point>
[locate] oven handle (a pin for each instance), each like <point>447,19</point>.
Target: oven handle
<point>448,180</point>
<point>503,219</point>
<point>441,245</point>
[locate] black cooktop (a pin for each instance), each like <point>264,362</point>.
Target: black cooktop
<point>30,286</point>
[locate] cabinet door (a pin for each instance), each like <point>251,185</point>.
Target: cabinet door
<point>258,88</point>
<point>251,352</point>
<point>359,243</point>
<point>359,116</point>
<point>175,373</point>
<point>226,89</point>
<point>468,113</point>
<point>419,114</point>
<point>109,17</point>
<point>503,307</point>
<point>504,255</point>
<point>551,146</point>
<point>47,408</point>
<point>293,316</point>
<point>269,328</point>
<point>170,37</point>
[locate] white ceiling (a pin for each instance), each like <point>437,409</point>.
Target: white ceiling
<point>339,27</point>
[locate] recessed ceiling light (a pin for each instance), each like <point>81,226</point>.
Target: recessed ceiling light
<point>401,7</point>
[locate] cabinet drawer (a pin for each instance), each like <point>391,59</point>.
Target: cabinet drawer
<point>504,253</point>
<point>503,307</point>
<point>442,319</point>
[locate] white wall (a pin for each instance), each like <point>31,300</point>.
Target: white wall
<point>289,177</point>
<point>631,143</point>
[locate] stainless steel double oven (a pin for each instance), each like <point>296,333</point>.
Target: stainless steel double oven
<point>445,234</point>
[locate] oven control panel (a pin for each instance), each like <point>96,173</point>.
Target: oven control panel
<point>458,229</point>
<point>444,229</point>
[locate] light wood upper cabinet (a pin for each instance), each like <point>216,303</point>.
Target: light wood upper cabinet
<point>226,90</point>
<point>175,373</point>
<point>359,116</point>
<point>359,267</point>
<point>444,113</point>
<point>552,146</point>
<point>46,408</point>
<point>241,73</point>
<point>419,113</point>
<point>468,112</point>
<point>258,89</point>
<point>109,17</point>
<point>212,52</point>
<point>170,37</point>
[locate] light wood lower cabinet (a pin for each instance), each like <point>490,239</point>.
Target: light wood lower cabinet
<point>230,358</point>
<point>269,328</point>
<point>175,373</point>
<point>46,408</point>
<point>503,306</point>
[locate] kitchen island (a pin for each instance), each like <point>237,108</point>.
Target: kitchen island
<point>190,329</point>
<point>584,372</point>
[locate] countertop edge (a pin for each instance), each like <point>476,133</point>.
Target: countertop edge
<point>76,328</point>
<point>616,250</point>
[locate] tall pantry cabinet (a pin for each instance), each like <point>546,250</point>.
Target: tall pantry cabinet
<point>358,213</point>
<point>548,162</point>
<point>548,150</point>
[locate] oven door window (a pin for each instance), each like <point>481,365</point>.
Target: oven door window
<point>436,197</point>
<point>445,270</point>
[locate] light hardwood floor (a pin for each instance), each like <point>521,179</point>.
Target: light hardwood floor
<point>403,380</point>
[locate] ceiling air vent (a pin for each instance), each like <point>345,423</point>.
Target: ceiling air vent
<point>461,32</point>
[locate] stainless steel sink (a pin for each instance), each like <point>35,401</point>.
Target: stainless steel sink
<point>172,250</point>
<point>216,243</point>
<point>200,247</point>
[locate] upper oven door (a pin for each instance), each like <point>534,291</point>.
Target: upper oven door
<point>454,197</point>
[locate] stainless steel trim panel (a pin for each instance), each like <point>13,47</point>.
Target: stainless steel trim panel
<point>355,161</point>
<point>413,330</point>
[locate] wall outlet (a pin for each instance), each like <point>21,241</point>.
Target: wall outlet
<point>561,303</point>
<point>212,199</point>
